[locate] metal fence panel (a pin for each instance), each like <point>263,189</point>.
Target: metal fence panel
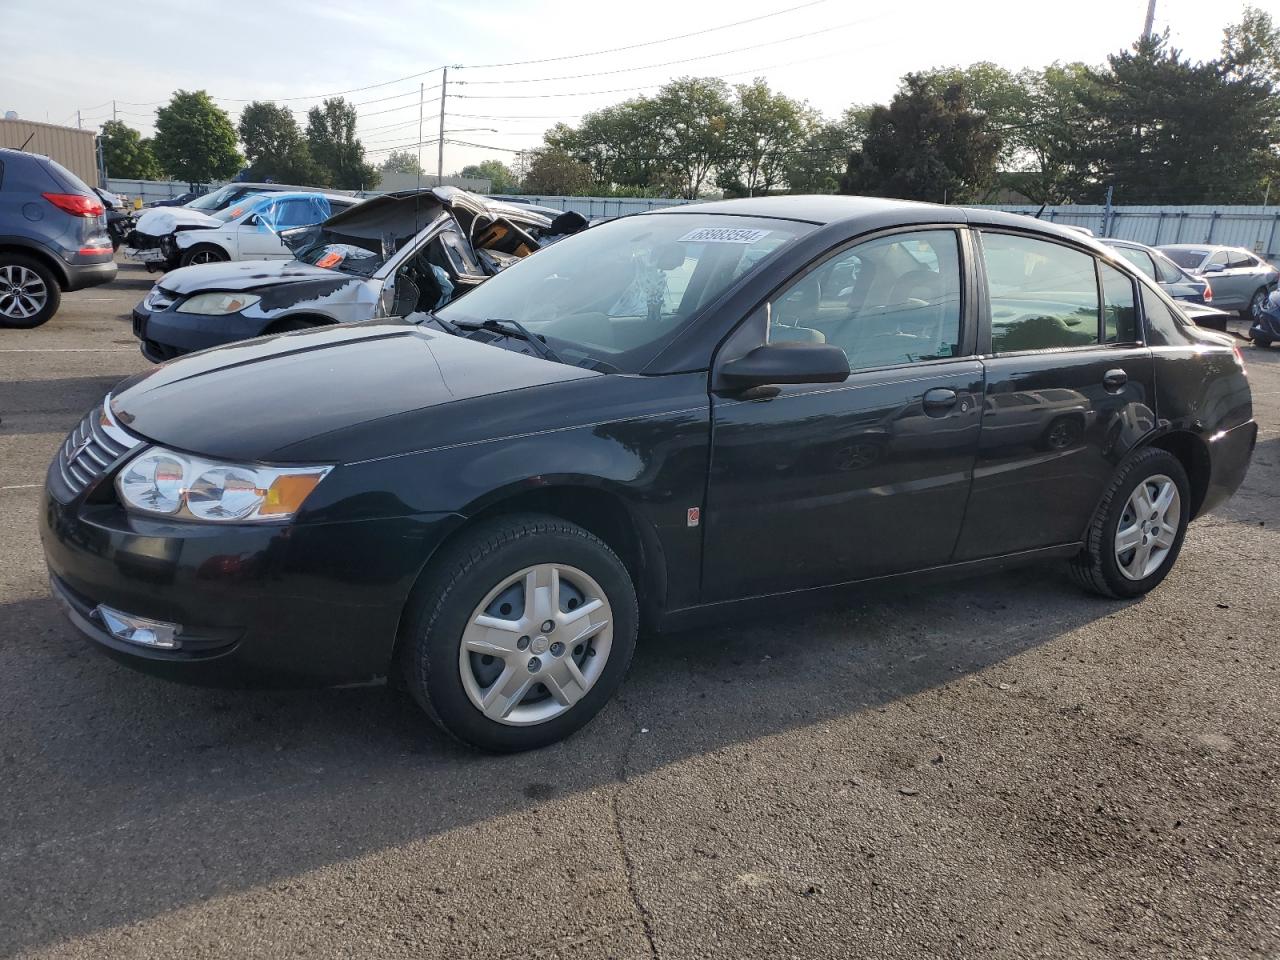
<point>1254,228</point>
<point>596,207</point>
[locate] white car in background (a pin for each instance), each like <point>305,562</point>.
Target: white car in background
<point>166,238</point>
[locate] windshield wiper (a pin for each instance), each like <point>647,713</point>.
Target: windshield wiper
<point>514,328</point>
<point>448,326</point>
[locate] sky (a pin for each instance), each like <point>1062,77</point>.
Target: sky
<point>831,53</point>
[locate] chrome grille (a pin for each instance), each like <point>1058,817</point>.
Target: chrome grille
<point>94,445</point>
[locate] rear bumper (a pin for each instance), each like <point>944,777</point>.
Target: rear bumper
<point>1229,455</point>
<point>81,275</point>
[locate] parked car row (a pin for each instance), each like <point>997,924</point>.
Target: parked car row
<point>663,419</point>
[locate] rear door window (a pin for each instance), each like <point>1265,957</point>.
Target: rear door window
<point>1167,271</point>
<point>1043,295</point>
<point>1238,259</point>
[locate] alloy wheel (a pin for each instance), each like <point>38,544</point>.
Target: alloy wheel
<point>1257,303</point>
<point>204,256</point>
<point>23,293</point>
<point>1148,527</point>
<point>536,644</point>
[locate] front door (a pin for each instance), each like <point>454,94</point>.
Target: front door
<point>1069,386</point>
<point>821,484</point>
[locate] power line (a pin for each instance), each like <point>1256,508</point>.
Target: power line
<point>671,63</point>
<point>756,71</point>
<point>337,93</point>
<point>647,43</point>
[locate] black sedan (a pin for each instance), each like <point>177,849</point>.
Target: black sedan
<point>670,417</point>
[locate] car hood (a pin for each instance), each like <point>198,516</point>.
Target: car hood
<point>276,399</point>
<point>245,275</point>
<point>164,220</point>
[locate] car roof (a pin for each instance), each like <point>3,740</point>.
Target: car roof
<point>826,209</point>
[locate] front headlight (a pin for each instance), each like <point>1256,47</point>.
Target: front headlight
<point>162,483</point>
<point>217,304</point>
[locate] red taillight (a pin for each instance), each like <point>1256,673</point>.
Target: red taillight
<point>1208,292</point>
<point>94,251</point>
<point>1235,348</point>
<point>76,204</point>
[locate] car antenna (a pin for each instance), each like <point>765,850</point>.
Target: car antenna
<point>1040,212</point>
<point>26,141</point>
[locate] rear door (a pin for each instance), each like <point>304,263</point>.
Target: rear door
<point>1068,384</point>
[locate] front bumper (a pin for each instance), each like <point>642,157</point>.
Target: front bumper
<point>1267,325</point>
<point>293,604</point>
<point>165,334</point>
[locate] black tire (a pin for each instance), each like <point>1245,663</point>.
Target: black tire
<point>1261,341</point>
<point>458,580</point>
<point>1095,568</point>
<point>1254,310</point>
<point>52,291</point>
<point>202,253</point>
<point>289,324</point>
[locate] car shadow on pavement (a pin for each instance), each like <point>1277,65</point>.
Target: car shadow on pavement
<point>139,796</point>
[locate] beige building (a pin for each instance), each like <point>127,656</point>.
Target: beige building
<point>74,149</point>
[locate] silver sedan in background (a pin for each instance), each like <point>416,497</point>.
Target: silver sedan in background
<point>1241,281</point>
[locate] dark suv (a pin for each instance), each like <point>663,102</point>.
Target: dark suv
<point>53,237</point>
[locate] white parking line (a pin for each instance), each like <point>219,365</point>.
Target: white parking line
<point>98,299</point>
<point>20,486</point>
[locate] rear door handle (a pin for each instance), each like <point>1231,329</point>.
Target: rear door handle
<point>939,400</point>
<point>1114,380</point>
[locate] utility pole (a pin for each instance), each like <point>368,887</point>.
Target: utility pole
<point>113,111</point>
<point>1151,19</point>
<point>444,87</point>
<point>421,91</point>
<point>79,125</point>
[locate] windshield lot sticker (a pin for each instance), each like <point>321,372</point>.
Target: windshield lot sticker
<point>723,235</point>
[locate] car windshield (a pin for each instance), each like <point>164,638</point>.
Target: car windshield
<point>238,209</point>
<point>344,257</point>
<point>216,200</point>
<point>1190,259</point>
<point>619,292</point>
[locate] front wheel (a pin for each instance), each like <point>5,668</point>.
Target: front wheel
<point>204,253</point>
<point>520,633</point>
<point>1138,528</point>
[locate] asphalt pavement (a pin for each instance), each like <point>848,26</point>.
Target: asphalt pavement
<point>998,767</point>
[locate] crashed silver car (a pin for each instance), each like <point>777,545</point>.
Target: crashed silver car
<point>390,256</point>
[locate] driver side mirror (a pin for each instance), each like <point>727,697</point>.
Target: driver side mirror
<point>1214,268</point>
<point>784,362</point>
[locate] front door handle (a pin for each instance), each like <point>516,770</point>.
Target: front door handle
<point>939,400</point>
<point>1114,380</point>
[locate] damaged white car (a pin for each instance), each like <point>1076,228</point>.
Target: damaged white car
<point>249,229</point>
<point>389,256</point>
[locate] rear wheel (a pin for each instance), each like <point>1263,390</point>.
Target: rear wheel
<point>520,633</point>
<point>29,292</point>
<point>1138,528</point>
<point>1261,341</point>
<point>203,253</point>
<point>1256,303</point>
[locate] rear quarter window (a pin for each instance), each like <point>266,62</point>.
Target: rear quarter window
<point>1163,326</point>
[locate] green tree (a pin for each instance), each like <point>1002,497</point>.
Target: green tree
<point>275,147</point>
<point>555,172</point>
<point>501,177</point>
<point>691,116</point>
<point>331,135</point>
<point>762,132</point>
<point>195,140</point>
<point>926,145</point>
<point>401,161</point>
<point>818,162</point>
<point>1162,129</point>
<point>1251,48</point>
<point>622,145</point>
<point>126,154</point>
